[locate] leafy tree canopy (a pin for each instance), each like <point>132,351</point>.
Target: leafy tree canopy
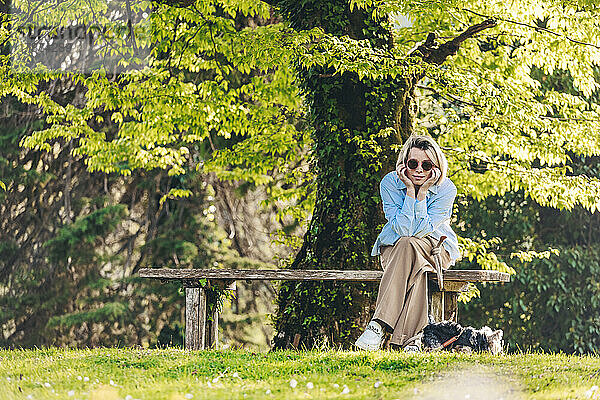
<point>206,77</point>
<point>501,131</point>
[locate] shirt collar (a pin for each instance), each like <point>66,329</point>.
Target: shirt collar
<point>433,189</point>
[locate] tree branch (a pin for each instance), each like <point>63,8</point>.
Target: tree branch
<point>537,28</point>
<point>433,54</point>
<point>450,97</point>
<point>177,3</point>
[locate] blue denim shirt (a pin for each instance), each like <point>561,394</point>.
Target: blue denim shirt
<point>408,217</point>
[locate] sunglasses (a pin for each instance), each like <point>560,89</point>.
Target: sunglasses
<point>414,164</point>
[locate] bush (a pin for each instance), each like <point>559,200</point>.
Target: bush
<point>551,304</point>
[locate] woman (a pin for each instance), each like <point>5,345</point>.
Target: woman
<point>417,202</point>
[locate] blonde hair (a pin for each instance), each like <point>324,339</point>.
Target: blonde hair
<point>430,147</point>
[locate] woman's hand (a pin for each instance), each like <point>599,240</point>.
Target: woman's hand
<point>410,187</point>
<point>436,173</point>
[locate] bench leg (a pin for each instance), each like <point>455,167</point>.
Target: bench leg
<point>451,306</point>
<point>437,306</point>
<point>212,330</point>
<point>212,326</point>
<point>195,318</point>
<point>444,306</point>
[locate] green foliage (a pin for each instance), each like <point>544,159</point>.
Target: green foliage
<point>8,249</point>
<point>174,194</point>
<point>246,90</point>
<point>478,251</point>
<point>109,312</point>
<point>526,309</point>
<point>247,102</point>
<point>68,280</point>
<point>551,304</point>
<point>78,239</point>
<point>63,293</point>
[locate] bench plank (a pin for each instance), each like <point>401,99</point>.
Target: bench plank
<point>309,275</point>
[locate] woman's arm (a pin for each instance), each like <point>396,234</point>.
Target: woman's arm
<point>399,209</point>
<point>429,218</point>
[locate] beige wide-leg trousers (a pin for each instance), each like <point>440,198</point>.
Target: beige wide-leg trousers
<point>402,298</point>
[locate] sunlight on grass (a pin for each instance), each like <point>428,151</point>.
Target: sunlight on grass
<point>175,374</point>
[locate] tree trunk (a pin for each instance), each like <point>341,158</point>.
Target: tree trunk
<point>350,159</point>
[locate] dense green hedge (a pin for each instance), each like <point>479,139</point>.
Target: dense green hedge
<point>551,304</point>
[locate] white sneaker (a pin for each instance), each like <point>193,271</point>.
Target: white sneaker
<point>412,348</point>
<point>371,338</point>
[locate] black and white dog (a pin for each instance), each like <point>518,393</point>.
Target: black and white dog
<point>449,335</point>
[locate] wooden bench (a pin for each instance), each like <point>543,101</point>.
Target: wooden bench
<point>201,331</point>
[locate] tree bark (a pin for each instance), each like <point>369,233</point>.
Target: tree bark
<point>350,158</point>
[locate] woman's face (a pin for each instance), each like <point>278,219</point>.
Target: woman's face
<point>418,176</point>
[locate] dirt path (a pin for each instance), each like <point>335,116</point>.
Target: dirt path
<point>472,383</point>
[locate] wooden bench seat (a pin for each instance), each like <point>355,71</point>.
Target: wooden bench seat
<point>202,332</point>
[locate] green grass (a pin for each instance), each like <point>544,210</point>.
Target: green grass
<point>172,374</point>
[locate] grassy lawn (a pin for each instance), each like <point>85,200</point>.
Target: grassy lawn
<point>234,374</point>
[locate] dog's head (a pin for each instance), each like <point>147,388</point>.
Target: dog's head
<point>494,339</point>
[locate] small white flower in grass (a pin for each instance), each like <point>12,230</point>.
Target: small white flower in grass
<point>335,385</point>
<point>86,379</point>
<point>268,391</point>
<point>111,383</point>
<point>8,378</point>
<point>79,377</point>
<point>47,384</point>
<point>215,380</point>
<point>377,384</point>
<point>346,390</point>
<point>310,385</point>
<point>594,388</point>
<point>188,396</point>
<point>209,384</point>
<point>71,393</point>
<point>129,397</point>
<point>293,383</point>
<point>29,397</point>
<point>236,375</point>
